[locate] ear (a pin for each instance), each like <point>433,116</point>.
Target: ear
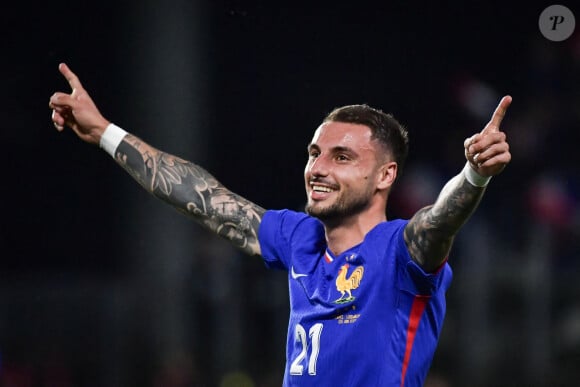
<point>387,175</point>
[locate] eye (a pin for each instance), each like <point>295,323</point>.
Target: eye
<point>342,157</point>
<point>313,154</point>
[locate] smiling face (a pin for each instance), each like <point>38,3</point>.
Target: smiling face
<point>345,172</point>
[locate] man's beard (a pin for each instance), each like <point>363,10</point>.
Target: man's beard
<point>342,208</point>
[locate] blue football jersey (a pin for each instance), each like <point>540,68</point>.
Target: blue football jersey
<point>367,317</point>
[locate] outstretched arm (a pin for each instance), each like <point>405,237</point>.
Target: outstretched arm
<point>430,232</point>
<point>184,185</point>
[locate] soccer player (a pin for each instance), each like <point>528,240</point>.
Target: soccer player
<point>367,294</point>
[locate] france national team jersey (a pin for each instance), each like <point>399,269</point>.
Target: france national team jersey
<point>367,317</point>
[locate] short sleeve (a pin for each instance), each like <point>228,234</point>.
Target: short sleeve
<point>284,234</point>
<point>272,242</point>
<point>412,277</point>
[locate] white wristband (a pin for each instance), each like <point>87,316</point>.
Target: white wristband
<point>475,178</point>
<point>111,138</point>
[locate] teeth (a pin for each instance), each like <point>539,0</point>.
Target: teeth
<point>321,189</point>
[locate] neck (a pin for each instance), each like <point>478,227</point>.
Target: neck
<point>346,233</point>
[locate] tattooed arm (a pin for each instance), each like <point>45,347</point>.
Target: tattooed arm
<point>186,186</point>
<point>192,191</point>
<point>430,232</point>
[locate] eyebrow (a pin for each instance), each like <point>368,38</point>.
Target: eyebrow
<point>336,149</point>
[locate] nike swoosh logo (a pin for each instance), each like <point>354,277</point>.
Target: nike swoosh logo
<point>296,276</point>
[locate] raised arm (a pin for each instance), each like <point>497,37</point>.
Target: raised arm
<point>430,232</point>
<point>184,185</point>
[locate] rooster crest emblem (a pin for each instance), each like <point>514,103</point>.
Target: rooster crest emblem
<point>345,285</point>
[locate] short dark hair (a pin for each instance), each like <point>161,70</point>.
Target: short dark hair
<point>384,127</point>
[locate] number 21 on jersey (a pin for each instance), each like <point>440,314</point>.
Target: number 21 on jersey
<point>312,341</point>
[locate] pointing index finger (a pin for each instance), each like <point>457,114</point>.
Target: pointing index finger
<point>500,111</point>
<point>71,77</point>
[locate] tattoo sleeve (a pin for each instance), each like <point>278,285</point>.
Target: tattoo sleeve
<point>192,191</point>
<point>430,232</point>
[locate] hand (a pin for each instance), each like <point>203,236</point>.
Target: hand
<point>488,151</point>
<point>77,110</point>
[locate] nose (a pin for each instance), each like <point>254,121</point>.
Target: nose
<point>318,166</point>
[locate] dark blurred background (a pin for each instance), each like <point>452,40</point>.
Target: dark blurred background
<point>103,285</point>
